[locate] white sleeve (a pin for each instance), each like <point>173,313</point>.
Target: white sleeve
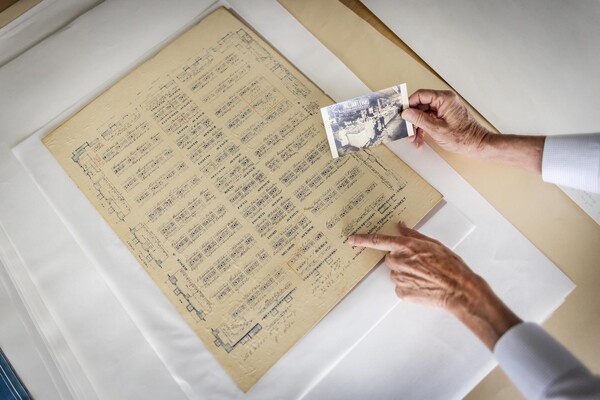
<point>541,368</point>
<point>573,161</point>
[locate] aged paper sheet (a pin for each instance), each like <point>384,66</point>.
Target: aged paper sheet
<point>211,163</point>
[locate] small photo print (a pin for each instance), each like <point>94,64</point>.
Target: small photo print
<point>367,121</point>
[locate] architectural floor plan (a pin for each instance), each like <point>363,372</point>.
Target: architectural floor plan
<point>211,163</point>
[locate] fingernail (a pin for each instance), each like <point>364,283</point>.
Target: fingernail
<point>350,240</point>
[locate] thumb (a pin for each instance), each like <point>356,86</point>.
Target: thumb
<point>420,119</point>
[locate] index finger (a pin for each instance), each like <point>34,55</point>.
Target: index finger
<point>378,242</point>
<point>429,97</point>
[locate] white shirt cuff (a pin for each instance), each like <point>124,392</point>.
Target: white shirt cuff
<point>532,359</point>
<point>573,161</point>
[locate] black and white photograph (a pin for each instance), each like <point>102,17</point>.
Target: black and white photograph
<point>367,121</point>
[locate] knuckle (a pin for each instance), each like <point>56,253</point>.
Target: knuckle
<point>419,118</point>
<point>437,242</point>
<point>375,239</point>
<point>423,257</point>
<point>417,258</point>
<point>401,292</point>
<point>412,246</point>
<point>449,94</point>
<point>389,259</point>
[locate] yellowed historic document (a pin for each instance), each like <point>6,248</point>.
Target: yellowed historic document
<point>211,163</point>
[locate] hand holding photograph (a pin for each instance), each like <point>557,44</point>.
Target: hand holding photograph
<point>367,121</point>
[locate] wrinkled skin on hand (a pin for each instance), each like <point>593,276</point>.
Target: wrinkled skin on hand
<point>443,116</point>
<point>424,270</point>
<point>427,272</point>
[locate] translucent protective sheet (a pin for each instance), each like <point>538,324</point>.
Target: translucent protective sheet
<point>37,23</point>
<point>76,310</point>
<point>24,344</point>
<point>124,336</point>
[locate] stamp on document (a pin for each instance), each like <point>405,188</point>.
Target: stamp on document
<point>367,121</point>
